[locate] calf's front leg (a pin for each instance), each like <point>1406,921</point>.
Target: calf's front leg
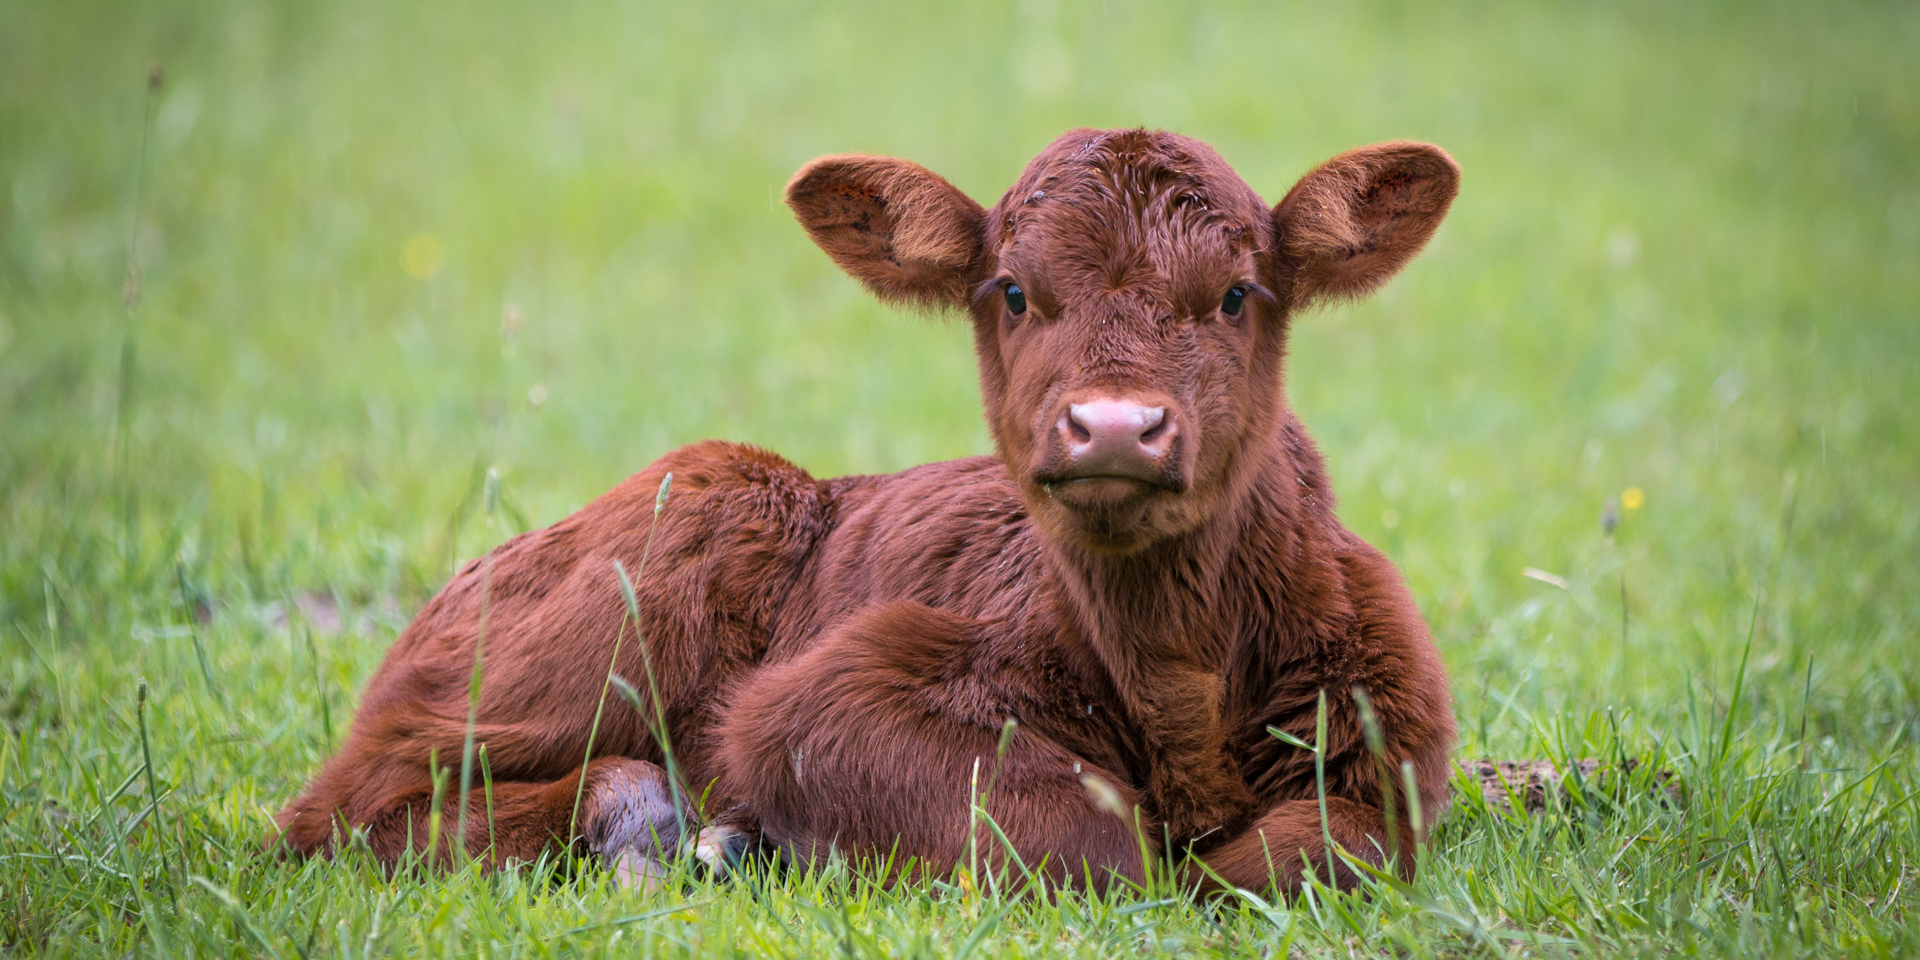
<point>874,742</point>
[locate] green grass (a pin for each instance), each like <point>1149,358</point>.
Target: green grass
<point>1683,261</point>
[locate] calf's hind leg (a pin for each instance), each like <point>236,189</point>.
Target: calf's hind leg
<point>625,816</point>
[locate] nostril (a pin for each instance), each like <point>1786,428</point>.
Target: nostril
<point>1077,430</point>
<point>1157,423</point>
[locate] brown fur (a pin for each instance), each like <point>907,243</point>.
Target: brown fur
<point>837,659</point>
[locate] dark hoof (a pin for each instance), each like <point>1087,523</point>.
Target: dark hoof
<point>627,819</point>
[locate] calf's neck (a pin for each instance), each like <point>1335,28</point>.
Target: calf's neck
<point>1144,577</point>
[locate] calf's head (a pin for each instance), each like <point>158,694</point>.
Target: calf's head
<point>1130,298</point>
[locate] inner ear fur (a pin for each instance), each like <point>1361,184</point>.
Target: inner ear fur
<point>1346,228</point>
<point>897,227</point>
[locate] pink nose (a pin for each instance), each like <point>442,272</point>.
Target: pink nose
<point>1117,438</point>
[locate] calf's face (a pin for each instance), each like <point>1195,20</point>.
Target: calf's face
<point>1130,297</point>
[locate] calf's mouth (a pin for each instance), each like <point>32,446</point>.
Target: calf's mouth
<point>1099,491</point>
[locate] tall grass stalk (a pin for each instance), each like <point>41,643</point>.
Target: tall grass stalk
<point>486,779</point>
<point>1383,770</point>
<point>473,710</point>
<point>977,814</point>
<point>654,711</point>
<point>1320,783</point>
<point>153,789</point>
<point>613,662</point>
<point>1416,818</point>
<point>972,879</point>
<point>437,775</point>
<point>1318,749</point>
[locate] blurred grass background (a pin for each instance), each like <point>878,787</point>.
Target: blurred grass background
<point>1683,262</point>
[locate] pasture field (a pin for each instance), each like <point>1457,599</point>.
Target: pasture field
<point>413,277</point>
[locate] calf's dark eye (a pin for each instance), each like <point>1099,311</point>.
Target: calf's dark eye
<point>1016,299</point>
<point>1233,301</point>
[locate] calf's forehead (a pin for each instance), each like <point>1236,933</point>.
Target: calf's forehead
<point>1124,202</point>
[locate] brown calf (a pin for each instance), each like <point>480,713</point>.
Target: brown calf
<point>1145,576</point>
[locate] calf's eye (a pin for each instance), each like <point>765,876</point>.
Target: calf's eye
<point>1016,299</point>
<point>1233,301</point>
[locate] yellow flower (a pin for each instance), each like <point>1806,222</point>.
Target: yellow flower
<point>1633,498</point>
<point>422,256</point>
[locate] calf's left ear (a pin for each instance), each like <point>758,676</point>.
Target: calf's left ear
<point>1348,227</point>
<point>897,227</point>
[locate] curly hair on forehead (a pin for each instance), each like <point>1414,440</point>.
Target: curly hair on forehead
<point>1144,185</point>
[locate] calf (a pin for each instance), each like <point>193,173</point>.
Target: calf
<point>1145,577</point>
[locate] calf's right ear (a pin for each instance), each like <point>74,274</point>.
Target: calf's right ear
<point>897,227</point>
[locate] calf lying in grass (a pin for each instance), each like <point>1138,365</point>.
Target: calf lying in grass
<point>1145,579</point>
